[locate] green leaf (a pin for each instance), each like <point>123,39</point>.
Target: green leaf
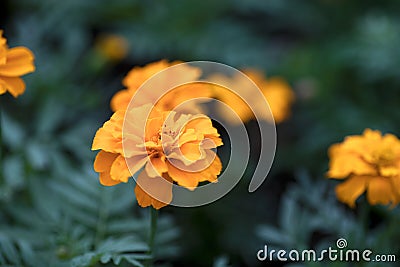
<point>84,260</point>
<point>123,244</point>
<point>12,133</point>
<point>273,236</point>
<point>37,155</point>
<point>9,250</point>
<point>27,253</point>
<point>132,259</point>
<point>106,257</point>
<point>13,171</point>
<point>221,261</point>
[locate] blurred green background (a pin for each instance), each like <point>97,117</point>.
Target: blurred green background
<point>342,59</point>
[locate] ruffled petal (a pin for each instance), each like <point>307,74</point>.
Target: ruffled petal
<point>19,62</point>
<point>191,151</point>
<point>348,191</point>
<point>153,191</point>
<point>380,191</point>
<point>119,170</point>
<point>157,166</point>
<point>188,136</point>
<point>388,171</point>
<point>136,163</point>
<point>190,180</point>
<point>3,88</point>
<point>102,164</point>
<point>104,160</point>
<point>105,179</point>
<point>396,186</point>
<point>106,141</point>
<point>109,137</point>
<point>344,163</point>
<point>121,100</point>
<point>14,85</point>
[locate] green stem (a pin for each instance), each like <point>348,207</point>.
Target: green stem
<point>364,216</point>
<point>152,235</point>
<point>363,221</point>
<point>102,219</point>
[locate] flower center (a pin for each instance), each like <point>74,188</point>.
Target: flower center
<point>168,131</point>
<point>153,148</point>
<point>156,138</point>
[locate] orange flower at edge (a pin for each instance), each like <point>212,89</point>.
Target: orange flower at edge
<point>368,163</point>
<point>14,62</point>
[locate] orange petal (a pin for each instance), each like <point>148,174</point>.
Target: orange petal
<point>3,88</point>
<point>156,167</point>
<point>119,170</point>
<point>191,151</point>
<point>388,171</point>
<point>188,136</point>
<point>396,186</point>
<point>202,126</point>
<point>213,171</point>
<point>372,134</point>
<point>380,191</point>
<point>121,100</point>
<point>105,179</point>
<point>344,163</point>
<point>106,141</point>
<point>102,164</point>
<point>136,163</point>
<point>156,191</point>
<point>109,137</point>
<point>104,160</point>
<point>14,85</point>
<point>348,191</point>
<point>190,180</point>
<point>19,62</point>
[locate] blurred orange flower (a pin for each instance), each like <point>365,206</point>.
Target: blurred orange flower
<point>112,46</point>
<point>275,90</point>
<point>185,74</point>
<point>14,62</point>
<point>370,163</point>
<point>172,148</point>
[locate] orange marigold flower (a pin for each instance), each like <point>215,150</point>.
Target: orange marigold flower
<point>139,75</point>
<point>14,62</point>
<point>370,163</point>
<point>276,91</point>
<point>172,148</point>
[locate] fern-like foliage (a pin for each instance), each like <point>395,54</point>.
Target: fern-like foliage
<point>73,221</point>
